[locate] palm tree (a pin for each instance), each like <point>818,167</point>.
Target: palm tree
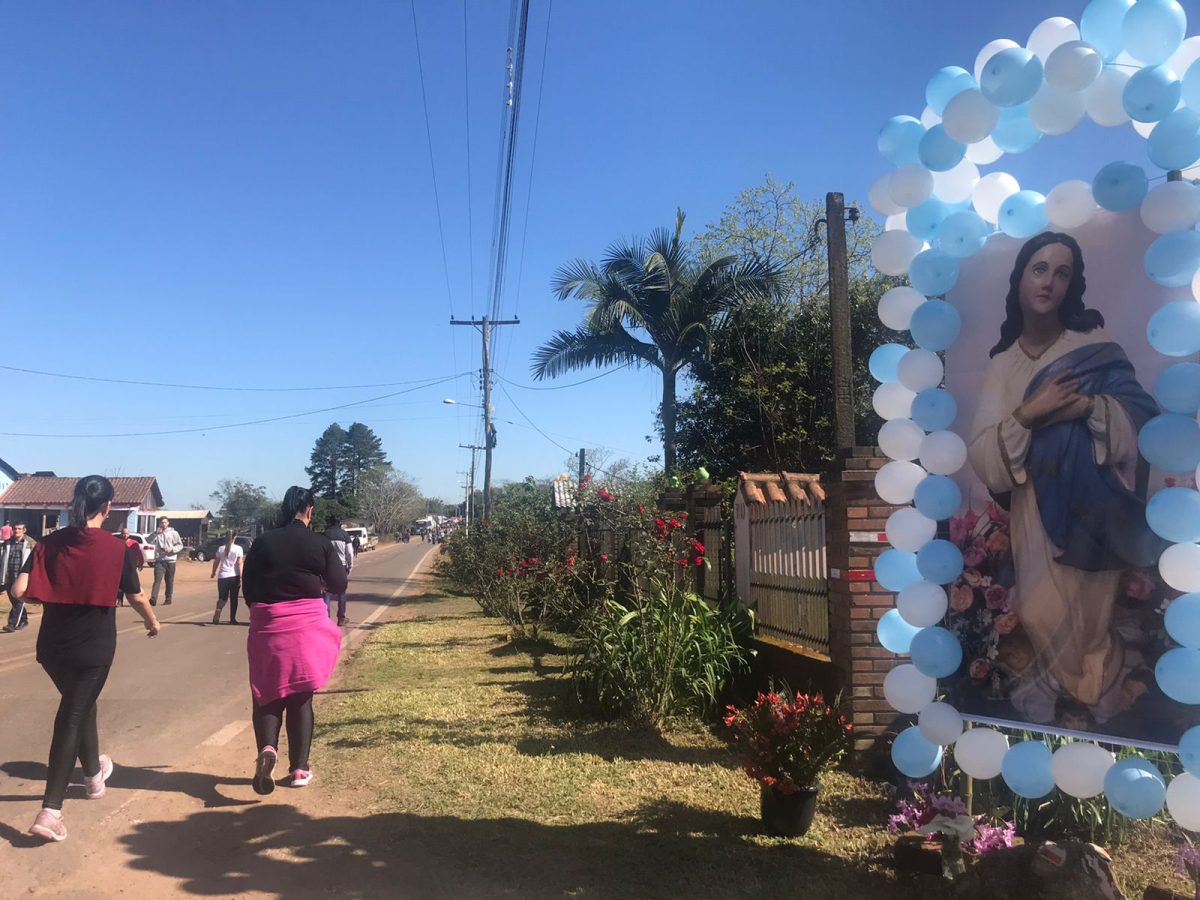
<point>651,302</point>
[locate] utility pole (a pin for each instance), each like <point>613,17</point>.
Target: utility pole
<point>489,429</point>
<point>471,483</point>
<point>839,317</point>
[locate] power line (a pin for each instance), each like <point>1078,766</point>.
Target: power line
<point>560,387</point>
<point>470,194</point>
<point>200,428</point>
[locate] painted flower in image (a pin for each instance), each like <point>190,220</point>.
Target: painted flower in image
<point>998,542</point>
<point>1136,585</point>
<point>996,597</point>
<point>974,555</point>
<point>972,577</point>
<point>961,597</point>
<point>980,669</point>
<point>961,526</point>
<point>1007,623</point>
<point>997,513</point>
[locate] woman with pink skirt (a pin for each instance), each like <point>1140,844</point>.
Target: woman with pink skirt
<point>292,646</point>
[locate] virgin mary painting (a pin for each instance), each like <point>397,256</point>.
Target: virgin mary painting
<point>1054,439</point>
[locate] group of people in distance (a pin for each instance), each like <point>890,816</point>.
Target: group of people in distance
<point>77,572</point>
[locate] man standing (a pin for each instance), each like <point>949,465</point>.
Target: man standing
<point>167,545</point>
<point>13,554</point>
<point>344,545</point>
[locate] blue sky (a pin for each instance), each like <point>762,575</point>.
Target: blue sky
<point>239,194</point>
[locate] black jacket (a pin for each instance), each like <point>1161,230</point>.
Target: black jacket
<point>291,563</point>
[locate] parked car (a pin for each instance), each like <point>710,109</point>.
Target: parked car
<point>208,550</point>
<point>364,539</point>
<point>144,543</point>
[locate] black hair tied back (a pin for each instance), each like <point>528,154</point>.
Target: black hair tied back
<point>92,492</point>
<point>296,501</point>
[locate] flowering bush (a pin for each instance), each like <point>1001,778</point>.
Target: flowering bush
<point>788,740</point>
<point>914,813</point>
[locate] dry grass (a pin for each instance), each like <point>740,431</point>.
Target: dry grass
<point>481,758</point>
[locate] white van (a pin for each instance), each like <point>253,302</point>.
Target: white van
<point>364,539</point>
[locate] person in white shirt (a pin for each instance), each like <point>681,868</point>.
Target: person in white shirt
<point>167,545</point>
<point>227,569</point>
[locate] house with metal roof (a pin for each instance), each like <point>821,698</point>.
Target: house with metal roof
<point>42,503</point>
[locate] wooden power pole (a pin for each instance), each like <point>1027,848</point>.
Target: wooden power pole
<point>839,317</point>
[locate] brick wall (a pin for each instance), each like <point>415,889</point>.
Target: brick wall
<point>856,604</point>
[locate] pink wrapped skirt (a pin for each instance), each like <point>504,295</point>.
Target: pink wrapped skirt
<point>292,648</point>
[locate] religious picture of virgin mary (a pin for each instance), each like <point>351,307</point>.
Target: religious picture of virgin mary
<point>1054,440</point>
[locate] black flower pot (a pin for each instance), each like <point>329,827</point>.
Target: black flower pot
<point>788,815</point>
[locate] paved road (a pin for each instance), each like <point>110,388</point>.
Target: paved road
<point>167,700</point>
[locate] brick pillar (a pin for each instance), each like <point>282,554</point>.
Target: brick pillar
<point>856,601</point>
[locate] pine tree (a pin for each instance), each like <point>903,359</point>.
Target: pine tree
<point>328,466</point>
<point>364,451</point>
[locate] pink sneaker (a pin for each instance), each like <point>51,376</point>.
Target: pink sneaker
<point>95,785</point>
<point>49,825</point>
<point>263,782</point>
<point>301,777</point>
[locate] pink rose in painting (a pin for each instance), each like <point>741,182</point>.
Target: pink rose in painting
<point>996,513</point>
<point>1137,585</point>
<point>958,531</point>
<point>972,577</point>
<point>980,669</point>
<point>996,597</point>
<point>974,555</point>
<point>961,597</point>
<point>1007,623</point>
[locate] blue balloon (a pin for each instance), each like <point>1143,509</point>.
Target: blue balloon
<point>896,569</point>
<point>1135,788</point>
<point>898,140</point>
<point>1174,329</point>
<point>945,84</point>
<point>1171,442</point>
<point>935,325</point>
<point>1151,94</point>
<point>1183,621</point>
<point>914,754</point>
<point>1011,77</point>
<point>1023,214</point>
<point>1100,26</point>
<point>1178,674</point>
<point>934,409</point>
<point>940,562</point>
<point>1153,29</point>
<point>937,497</point>
<point>938,151</point>
<point>1174,515</point>
<point>1026,769</point>
<point>933,272</point>
<point>895,635</point>
<point>1189,750</point>
<point>1175,141</point>
<point>1191,85</point>
<point>925,221</point>
<point>1173,258</point>
<point>1120,186</point>
<point>883,362</point>
<point>962,233</point>
<point>1014,131</point>
<point>1177,388</point>
<point>936,652</point>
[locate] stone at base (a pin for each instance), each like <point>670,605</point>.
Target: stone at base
<point>1154,892</point>
<point>1021,873</point>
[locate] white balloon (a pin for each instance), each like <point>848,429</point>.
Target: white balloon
<point>955,185</point>
<point>984,153</point>
<point>989,50</point>
<point>897,480</point>
<point>892,251</point>
<point>898,222</point>
<point>969,117</point>
<point>1070,204</point>
<point>907,690</point>
<point>1055,111</point>
<point>897,306</point>
<point>1196,296</point>
<point>1183,801</point>
<point>908,530</point>
<point>880,196</point>
<point>911,185</point>
<point>1079,768</point>
<point>1073,66</point>
<point>1172,206</point>
<point>1051,34</point>
<point>940,723</point>
<point>893,400</point>
<point>943,453</point>
<point>1188,53</point>
<point>929,118</point>
<point>920,369</point>
<point>980,751</point>
<point>1104,99</point>
<point>900,438</point>
<point>922,603</point>
<point>992,190</point>
<point>1179,566</point>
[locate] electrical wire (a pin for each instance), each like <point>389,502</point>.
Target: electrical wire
<point>470,194</point>
<point>561,387</point>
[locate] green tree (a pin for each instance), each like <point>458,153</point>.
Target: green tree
<point>364,452</point>
<point>763,399</point>
<point>243,505</point>
<point>328,466</point>
<point>652,302</point>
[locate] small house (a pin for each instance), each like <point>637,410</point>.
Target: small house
<point>43,502</point>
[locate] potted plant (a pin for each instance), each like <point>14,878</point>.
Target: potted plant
<point>787,741</point>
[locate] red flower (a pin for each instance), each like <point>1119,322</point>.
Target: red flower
<point>570,560</point>
<point>499,571</point>
<point>682,563</point>
<point>683,515</point>
<point>603,557</point>
<point>699,560</point>
<point>675,523</point>
<point>698,547</point>
<point>605,495</point>
<point>1137,585</point>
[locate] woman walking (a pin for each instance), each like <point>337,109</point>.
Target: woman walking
<point>227,569</point>
<point>76,573</point>
<point>292,645</point>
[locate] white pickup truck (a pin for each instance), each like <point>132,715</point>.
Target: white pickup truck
<point>364,539</point>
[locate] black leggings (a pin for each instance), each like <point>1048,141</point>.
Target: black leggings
<point>269,716</point>
<point>75,734</point>
<point>227,592</point>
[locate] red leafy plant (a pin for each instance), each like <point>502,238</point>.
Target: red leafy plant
<point>787,740</point>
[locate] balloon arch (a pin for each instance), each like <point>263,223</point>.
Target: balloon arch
<point>1124,61</point>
